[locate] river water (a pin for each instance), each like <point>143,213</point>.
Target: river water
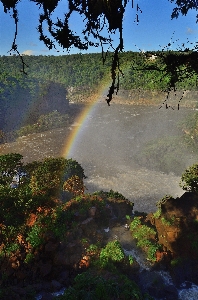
<point>109,142</point>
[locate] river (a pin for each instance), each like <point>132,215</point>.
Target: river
<point>108,145</point>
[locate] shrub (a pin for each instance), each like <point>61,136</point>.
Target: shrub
<point>157,214</point>
<point>112,252</point>
<point>189,179</point>
<point>163,200</point>
<point>48,175</point>
<point>111,194</point>
<point>74,185</point>
<point>91,286</point>
<point>145,238</point>
<point>168,222</point>
<point>35,236</point>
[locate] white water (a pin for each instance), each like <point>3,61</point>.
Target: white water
<point>189,294</point>
<point>109,142</point>
<point>184,293</point>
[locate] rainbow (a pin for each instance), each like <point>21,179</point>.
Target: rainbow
<point>80,123</point>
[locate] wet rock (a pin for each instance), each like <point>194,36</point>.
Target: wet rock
<point>154,283</point>
<point>68,255</point>
<point>92,211</point>
<point>89,227</point>
<point>21,274</point>
<point>46,296</point>
<point>55,285</point>
<point>176,226</point>
<point>120,207</point>
<point>63,277</point>
<point>45,268</point>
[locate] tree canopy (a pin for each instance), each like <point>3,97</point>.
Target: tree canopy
<point>97,14</point>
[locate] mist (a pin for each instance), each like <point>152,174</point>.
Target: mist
<point>111,149</point>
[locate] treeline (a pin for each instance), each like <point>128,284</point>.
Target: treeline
<point>31,86</point>
<point>145,70</point>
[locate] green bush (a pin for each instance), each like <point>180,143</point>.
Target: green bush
<point>96,287</point>
<point>145,238</point>
<point>113,252</point>
<point>35,235</point>
<point>189,179</point>
<point>110,194</point>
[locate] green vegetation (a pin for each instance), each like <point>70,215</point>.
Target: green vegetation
<point>82,75</point>
<point>189,179</point>
<point>92,286</point>
<point>113,252</point>
<point>157,214</point>
<point>168,222</point>
<point>36,209</point>
<point>111,194</point>
<point>36,192</point>
<point>176,261</point>
<point>146,238</point>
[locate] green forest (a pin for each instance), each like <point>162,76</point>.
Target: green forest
<point>38,85</point>
<point>87,71</point>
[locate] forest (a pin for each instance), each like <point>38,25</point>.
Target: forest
<point>54,81</point>
<point>87,71</point>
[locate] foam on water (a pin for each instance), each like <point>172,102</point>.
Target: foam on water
<point>189,294</point>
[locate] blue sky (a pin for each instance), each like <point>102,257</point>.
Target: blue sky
<point>153,32</point>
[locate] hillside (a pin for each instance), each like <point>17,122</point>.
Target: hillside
<point>51,82</point>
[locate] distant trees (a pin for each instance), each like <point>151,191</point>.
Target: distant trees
<point>97,15</point>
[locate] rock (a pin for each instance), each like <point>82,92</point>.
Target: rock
<point>92,211</point>
<point>154,283</point>
<point>171,292</point>
<point>89,227</point>
<point>45,268</point>
<point>55,285</point>
<point>32,219</point>
<point>69,255</point>
<point>176,226</point>
<point>63,277</point>
<point>21,274</point>
<point>120,208</point>
<point>51,247</point>
<point>113,222</point>
<point>46,296</point>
